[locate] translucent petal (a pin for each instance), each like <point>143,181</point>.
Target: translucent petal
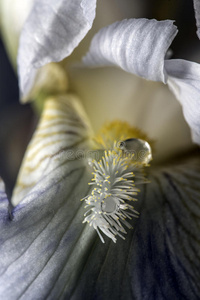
<point>63,127</point>
<point>51,32</point>
<point>47,253</point>
<point>184,81</point>
<point>138,46</point>
<point>37,247</point>
<point>160,258</point>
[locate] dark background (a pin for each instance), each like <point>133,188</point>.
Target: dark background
<point>16,123</point>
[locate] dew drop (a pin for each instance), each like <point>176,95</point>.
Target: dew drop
<point>109,205</point>
<point>140,149</point>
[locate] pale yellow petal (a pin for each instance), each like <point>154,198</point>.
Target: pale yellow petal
<point>110,93</point>
<point>62,130</point>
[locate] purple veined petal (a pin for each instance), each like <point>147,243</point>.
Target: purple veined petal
<point>137,46</point>
<point>37,246</point>
<point>47,253</point>
<point>52,31</point>
<point>161,257</point>
<point>184,81</point>
<point>197,15</point>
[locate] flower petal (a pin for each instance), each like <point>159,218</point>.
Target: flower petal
<point>184,81</point>
<point>13,12</point>
<point>138,46</point>
<point>197,15</point>
<point>63,129</point>
<point>160,260</point>
<point>46,237</point>
<point>51,32</point>
<point>52,255</point>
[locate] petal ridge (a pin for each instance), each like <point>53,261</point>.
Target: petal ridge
<point>52,31</point>
<point>137,46</point>
<point>63,130</point>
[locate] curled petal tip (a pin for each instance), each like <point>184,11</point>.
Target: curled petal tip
<point>137,46</point>
<point>51,33</point>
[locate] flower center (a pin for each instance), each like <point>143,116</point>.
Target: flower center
<point>124,152</point>
<point>117,131</point>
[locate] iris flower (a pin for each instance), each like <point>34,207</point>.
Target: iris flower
<point>46,250</point>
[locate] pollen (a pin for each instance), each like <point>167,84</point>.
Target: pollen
<point>115,131</point>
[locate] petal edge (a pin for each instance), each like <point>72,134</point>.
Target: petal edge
<point>52,31</point>
<point>185,84</point>
<point>137,46</point>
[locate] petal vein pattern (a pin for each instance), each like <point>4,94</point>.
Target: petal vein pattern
<point>138,46</point>
<point>52,31</point>
<point>53,256</point>
<point>43,236</point>
<point>62,130</point>
<point>162,256</point>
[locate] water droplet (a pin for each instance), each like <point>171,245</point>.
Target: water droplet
<point>140,149</point>
<point>108,205</point>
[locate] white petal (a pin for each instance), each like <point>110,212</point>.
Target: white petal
<point>197,15</point>
<point>47,253</point>
<point>112,11</point>
<point>63,129</point>
<point>51,32</point>
<point>138,46</point>
<point>184,81</point>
